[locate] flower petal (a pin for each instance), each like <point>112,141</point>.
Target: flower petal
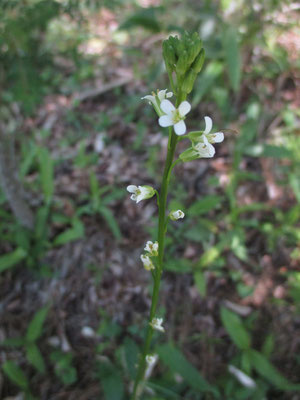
<point>217,137</point>
<point>149,98</point>
<point>205,149</point>
<point>133,197</point>
<point>169,94</point>
<point>184,108</point>
<point>139,197</point>
<point>162,94</point>
<point>167,107</point>
<point>165,121</point>
<point>208,125</point>
<point>211,150</point>
<point>131,188</point>
<point>144,190</point>
<point>179,128</point>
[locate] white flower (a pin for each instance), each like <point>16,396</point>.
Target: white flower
<point>244,379</point>
<point>204,148</point>
<point>175,215</point>
<point>161,94</point>
<point>140,192</point>
<point>174,116</point>
<point>156,324</point>
<point>148,264</point>
<point>217,137</point>
<point>152,248</point>
<point>151,361</point>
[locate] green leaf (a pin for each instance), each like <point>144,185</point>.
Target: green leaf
<point>238,245</point>
<point>232,57</point>
<point>35,327</point>
<point>13,342</point>
<point>177,363</point>
<point>35,357</point>
<point>266,369</point>
<point>235,329</point>
<point>268,345</point>
<point>95,191</point>
<point>15,374</point>
<point>267,150</point>
<point>46,167</point>
<point>295,185</point>
<point>63,367</point>
<point>180,265</point>
<point>200,282</point>
<point>115,194</point>
<point>41,223</point>
<point>145,18</point>
<point>131,351</point>
<point>209,256</point>
<point>208,77</point>
<point>10,260</point>
<point>205,205</point>
<point>163,390</point>
<point>111,381</point>
<point>111,221</point>
<point>74,233</point>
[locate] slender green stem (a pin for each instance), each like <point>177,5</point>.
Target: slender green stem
<point>173,139</point>
<point>159,268</point>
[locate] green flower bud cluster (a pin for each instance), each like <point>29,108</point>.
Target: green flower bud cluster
<point>185,58</point>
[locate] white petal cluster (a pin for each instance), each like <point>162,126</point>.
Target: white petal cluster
<point>175,215</point>
<point>156,324</point>
<point>174,116</point>
<point>204,148</point>
<point>152,248</point>
<point>148,264</point>
<point>160,96</point>
<point>140,192</point>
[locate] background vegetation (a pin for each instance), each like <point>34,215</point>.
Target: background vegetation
<point>74,133</point>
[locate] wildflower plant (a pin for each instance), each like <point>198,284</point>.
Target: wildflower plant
<point>184,58</point>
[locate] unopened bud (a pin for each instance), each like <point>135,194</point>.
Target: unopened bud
<point>189,81</point>
<point>168,54</point>
<point>198,63</point>
<point>182,63</point>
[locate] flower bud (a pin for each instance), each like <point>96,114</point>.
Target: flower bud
<point>198,63</point>
<point>140,192</point>
<point>188,155</point>
<point>169,54</point>
<point>175,215</point>
<point>188,82</point>
<point>182,63</point>
<point>148,264</point>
